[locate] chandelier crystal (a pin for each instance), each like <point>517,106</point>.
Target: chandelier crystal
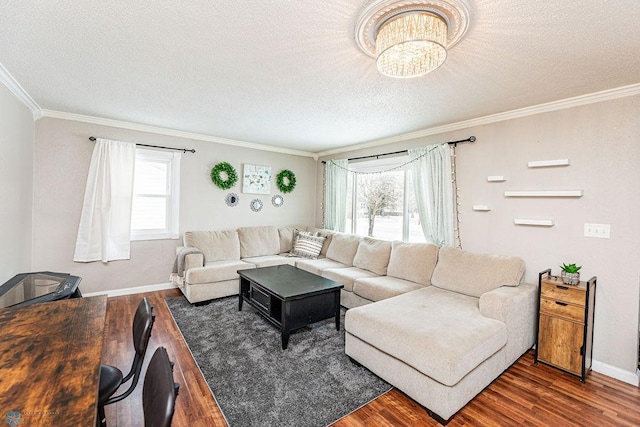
<point>411,44</point>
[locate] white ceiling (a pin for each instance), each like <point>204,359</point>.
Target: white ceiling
<point>289,74</point>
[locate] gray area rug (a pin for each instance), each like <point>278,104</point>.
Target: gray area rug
<point>256,383</point>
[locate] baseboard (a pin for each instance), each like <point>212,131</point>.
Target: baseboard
<point>129,291</point>
<point>617,373</point>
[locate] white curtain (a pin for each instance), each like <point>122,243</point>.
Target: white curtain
<point>105,224</point>
<point>335,208</point>
<point>431,168</point>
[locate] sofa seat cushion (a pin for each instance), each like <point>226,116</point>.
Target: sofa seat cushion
<point>259,241</point>
<point>316,266</point>
<point>215,245</point>
<point>413,261</point>
<point>437,332</point>
<point>347,276</point>
<point>383,287</point>
<point>216,271</point>
<point>270,260</point>
<point>474,274</point>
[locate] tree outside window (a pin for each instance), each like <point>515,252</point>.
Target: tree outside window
<point>380,194</point>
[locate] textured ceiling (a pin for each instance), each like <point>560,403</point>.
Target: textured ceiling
<point>289,73</point>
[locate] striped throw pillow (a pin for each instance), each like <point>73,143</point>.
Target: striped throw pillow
<point>307,245</point>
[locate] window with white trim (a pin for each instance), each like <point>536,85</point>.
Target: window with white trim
<point>382,204</point>
<point>156,195</point>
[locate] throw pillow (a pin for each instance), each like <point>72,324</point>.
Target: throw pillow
<point>307,245</point>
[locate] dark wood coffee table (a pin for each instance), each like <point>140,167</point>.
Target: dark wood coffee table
<point>290,298</point>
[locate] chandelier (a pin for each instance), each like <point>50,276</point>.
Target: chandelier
<point>409,38</point>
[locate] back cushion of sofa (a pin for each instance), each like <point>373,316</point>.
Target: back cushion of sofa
<point>413,261</point>
<point>343,248</point>
<point>373,255</point>
<point>259,241</point>
<point>475,274</point>
<point>215,245</point>
<point>286,238</point>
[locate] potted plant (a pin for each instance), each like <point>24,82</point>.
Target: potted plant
<point>570,273</point>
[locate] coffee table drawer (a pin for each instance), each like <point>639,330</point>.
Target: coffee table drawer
<point>260,297</point>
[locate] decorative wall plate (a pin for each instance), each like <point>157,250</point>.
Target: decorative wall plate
<point>277,201</point>
<point>256,205</point>
<point>232,199</point>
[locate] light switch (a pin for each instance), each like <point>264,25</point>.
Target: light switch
<point>601,231</point>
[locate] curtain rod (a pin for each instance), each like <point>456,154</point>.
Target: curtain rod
<point>375,156</point>
<point>184,150</point>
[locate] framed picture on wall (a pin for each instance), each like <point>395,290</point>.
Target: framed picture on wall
<point>256,179</point>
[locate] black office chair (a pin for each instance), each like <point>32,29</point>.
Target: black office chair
<point>159,392</point>
<point>111,378</point>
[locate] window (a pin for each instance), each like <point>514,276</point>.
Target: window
<point>156,195</point>
<point>381,205</point>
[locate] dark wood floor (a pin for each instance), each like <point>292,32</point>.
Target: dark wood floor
<point>527,394</point>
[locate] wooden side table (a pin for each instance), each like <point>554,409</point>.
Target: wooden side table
<point>565,324</point>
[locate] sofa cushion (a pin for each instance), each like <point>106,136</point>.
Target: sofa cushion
<point>437,332</point>
<point>373,255</point>
<point>413,261</point>
<point>216,271</point>
<point>343,248</point>
<point>346,276</point>
<point>258,241</point>
<point>474,274</point>
<point>287,237</point>
<point>327,234</point>
<point>215,245</point>
<point>316,266</point>
<point>307,245</point>
<point>383,287</point>
<point>270,260</point>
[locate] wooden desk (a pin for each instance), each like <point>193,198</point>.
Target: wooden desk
<point>50,361</point>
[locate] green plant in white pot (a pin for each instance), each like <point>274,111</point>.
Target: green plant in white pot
<point>570,274</point>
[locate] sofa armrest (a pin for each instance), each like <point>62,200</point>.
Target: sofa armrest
<point>192,261</point>
<point>516,307</point>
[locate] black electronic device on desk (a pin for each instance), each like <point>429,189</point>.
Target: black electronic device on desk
<point>42,286</point>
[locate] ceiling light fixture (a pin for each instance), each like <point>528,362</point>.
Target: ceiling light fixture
<point>409,38</point>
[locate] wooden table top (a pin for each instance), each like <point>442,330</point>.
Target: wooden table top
<point>50,362</point>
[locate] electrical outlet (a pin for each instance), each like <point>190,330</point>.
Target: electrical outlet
<point>601,231</point>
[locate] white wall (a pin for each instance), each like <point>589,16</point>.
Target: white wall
<point>16,176</point>
<point>62,157</point>
<point>602,142</point>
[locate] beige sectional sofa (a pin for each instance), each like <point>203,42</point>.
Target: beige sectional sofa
<point>438,324</point>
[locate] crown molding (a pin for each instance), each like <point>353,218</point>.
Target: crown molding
<point>172,132</point>
<point>14,87</point>
<point>592,98</point>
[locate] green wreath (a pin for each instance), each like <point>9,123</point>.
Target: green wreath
<point>291,179</point>
<point>232,176</point>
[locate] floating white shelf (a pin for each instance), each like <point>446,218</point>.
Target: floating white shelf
<point>548,163</point>
<point>496,178</point>
<point>536,222</point>
<point>481,208</point>
<point>544,193</point>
